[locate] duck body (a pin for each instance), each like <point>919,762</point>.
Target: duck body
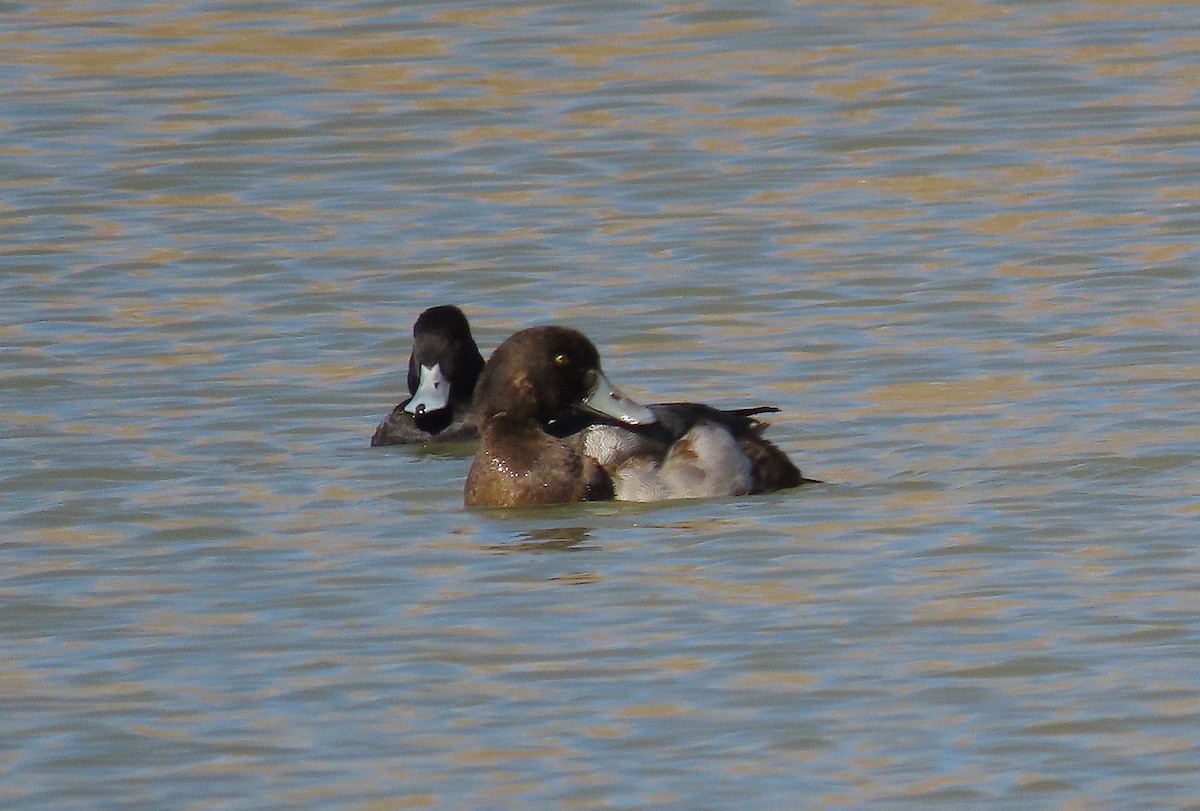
<point>691,450</point>
<point>442,372</point>
<point>519,465</point>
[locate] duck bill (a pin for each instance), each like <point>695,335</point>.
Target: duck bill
<point>605,398</point>
<point>433,391</point>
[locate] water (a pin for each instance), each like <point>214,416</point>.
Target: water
<point>957,246</point>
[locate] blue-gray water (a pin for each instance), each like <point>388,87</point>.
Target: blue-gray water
<point>956,244</point>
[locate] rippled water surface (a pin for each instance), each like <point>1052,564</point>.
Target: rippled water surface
<point>956,244</point>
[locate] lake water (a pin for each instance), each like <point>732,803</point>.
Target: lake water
<point>956,244</point>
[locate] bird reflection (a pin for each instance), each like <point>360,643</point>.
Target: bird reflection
<point>550,539</point>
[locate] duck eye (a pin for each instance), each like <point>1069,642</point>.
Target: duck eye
<point>560,360</point>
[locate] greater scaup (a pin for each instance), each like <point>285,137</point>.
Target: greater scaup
<point>442,370</point>
<point>537,377</point>
<point>554,430</point>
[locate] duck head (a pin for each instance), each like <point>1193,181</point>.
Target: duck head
<point>445,362</point>
<point>549,373</point>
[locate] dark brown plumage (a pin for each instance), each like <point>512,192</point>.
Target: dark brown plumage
<point>537,376</point>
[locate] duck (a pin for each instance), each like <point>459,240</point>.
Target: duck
<point>443,369</point>
<point>554,429</point>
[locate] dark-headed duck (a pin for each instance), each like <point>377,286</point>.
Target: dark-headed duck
<point>442,371</point>
<point>537,377</point>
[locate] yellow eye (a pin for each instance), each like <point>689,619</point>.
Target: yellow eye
<point>560,360</point>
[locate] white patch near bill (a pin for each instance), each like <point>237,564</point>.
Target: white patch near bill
<point>433,391</point>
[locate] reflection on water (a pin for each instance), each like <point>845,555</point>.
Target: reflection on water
<point>954,244</point>
<point>550,539</point>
